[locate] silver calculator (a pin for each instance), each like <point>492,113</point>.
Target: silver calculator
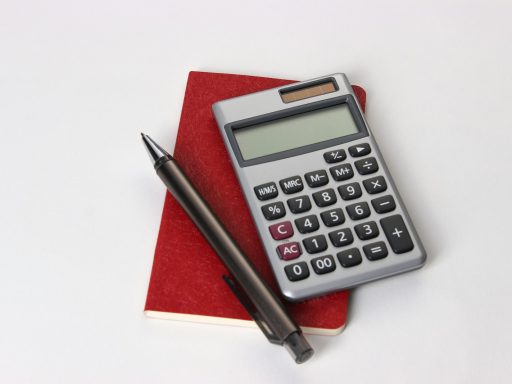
<point>326,208</point>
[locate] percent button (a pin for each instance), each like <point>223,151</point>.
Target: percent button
<point>273,211</point>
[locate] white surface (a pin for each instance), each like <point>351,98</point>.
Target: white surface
<point>80,205</point>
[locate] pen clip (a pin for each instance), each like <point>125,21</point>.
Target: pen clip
<point>249,306</point>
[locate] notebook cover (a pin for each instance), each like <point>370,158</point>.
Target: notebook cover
<point>186,280</point>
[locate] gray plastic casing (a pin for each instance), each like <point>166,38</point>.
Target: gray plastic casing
<point>268,105</point>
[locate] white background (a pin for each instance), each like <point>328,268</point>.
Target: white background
<point>80,205</point>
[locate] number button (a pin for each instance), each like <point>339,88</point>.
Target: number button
<point>335,156</point>
<point>291,185</point>
<point>342,172</point>
<point>375,185</point>
<point>323,264</point>
<point>281,231</point>
<point>307,224</point>
<point>289,251</point>
<point>350,191</point>
<point>358,211</point>
<point>367,166</point>
<point>299,204</point>
<point>367,230</point>
<point>397,234</point>
<point>350,258</point>
<point>266,191</point>
<point>375,251</point>
<point>273,211</point>
<point>315,244</point>
<point>360,150</point>
<point>325,198</point>
<point>341,237</point>
<point>384,204</point>
<point>316,178</point>
<point>333,217</point>
<point>296,272</point>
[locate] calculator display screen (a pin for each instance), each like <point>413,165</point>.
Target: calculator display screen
<point>295,131</point>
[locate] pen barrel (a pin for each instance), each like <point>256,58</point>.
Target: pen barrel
<point>264,299</point>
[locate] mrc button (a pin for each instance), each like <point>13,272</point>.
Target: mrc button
<point>266,191</point>
<point>291,185</point>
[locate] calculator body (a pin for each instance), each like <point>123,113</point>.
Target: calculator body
<point>326,208</point>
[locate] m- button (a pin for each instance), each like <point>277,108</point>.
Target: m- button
<point>281,231</point>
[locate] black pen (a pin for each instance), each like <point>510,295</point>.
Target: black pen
<point>256,296</point>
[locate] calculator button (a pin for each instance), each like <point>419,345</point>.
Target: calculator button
<point>375,251</point>
<point>273,211</point>
<point>341,237</point>
<point>333,217</point>
<point>335,156</point>
<point>384,204</point>
<point>291,185</point>
<point>316,178</point>
<point>350,258</point>
<point>289,251</point>
<point>358,211</point>
<point>350,191</point>
<point>323,264</point>
<point>375,185</point>
<point>325,198</point>
<point>281,231</point>
<point>315,244</point>
<point>359,150</point>
<point>266,191</point>
<point>367,230</point>
<point>367,166</point>
<point>307,224</point>
<point>397,234</point>
<point>297,271</point>
<point>299,204</point>
<point>342,172</point>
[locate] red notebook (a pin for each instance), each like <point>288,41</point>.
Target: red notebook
<point>186,280</point>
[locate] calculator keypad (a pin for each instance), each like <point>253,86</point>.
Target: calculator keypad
<point>342,205</point>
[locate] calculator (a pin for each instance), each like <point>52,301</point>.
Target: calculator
<point>326,208</point>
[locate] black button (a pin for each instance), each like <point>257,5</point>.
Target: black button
<point>359,150</point>
<point>335,156</point>
<point>341,237</point>
<point>266,191</point>
<point>291,184</point>
<point>367,166</point>
<point>397,234</point>
<point>325,198</point>
<point>350,191</point>
<point>333,217</point>
<point>307,224</point>
<point>299,204</point>
<point>358,211</point>
<point>367,230</point>
<point>375,185</point>
<point>297,271</point>
<point>316,178</point>
<point>384,204</point>
<point>342,172</point>
<point>375,251</point>
<point>273,211</point>
<point>323,264</point>
<point>315,244</point>
<point>350,257</point>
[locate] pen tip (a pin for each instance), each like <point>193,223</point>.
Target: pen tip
<point>142,134</point>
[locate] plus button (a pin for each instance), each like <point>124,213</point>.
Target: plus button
<point>397,232</point>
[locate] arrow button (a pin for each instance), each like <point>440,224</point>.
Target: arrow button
<point>360,150</point>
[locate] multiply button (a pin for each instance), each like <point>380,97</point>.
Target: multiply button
<point>291,185</point>
<point>281,231</point>
<point>367,166</point>
<point>397,234</point>
<point>335,156</point>
<point>266,191</point>
<point>289,251</point>
<point>375,185</point>
<point>316,178</point>
<point>359,150</point>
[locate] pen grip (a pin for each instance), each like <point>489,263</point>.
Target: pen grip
<point>264,299</point>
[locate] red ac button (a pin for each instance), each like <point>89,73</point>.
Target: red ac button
<point>289,251</point>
